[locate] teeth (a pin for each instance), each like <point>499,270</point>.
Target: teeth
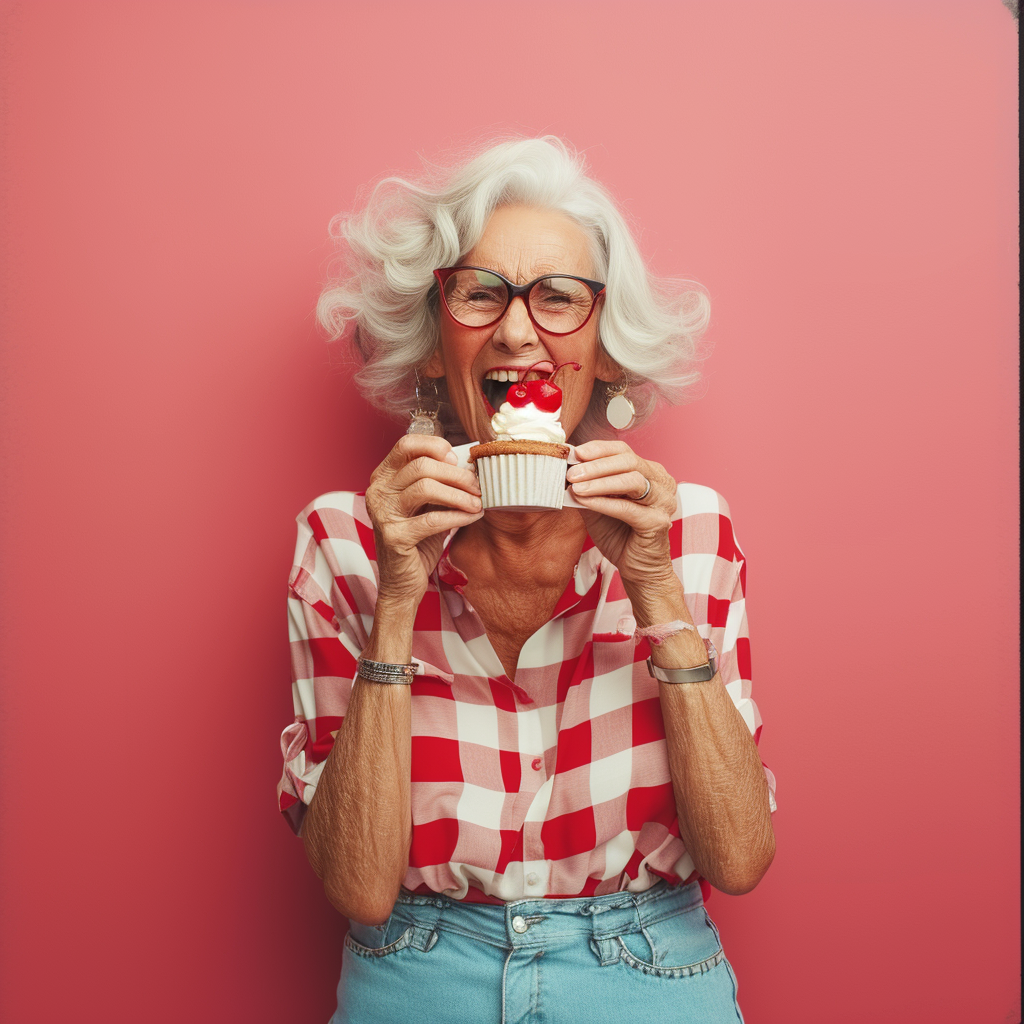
<point>513,375</point>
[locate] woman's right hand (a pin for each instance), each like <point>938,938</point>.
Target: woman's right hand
<point>416,495</point>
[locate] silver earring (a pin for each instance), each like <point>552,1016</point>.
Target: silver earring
<point>424,415</point>
<point>620,411</point>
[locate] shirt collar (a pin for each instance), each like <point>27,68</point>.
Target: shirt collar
<point>590,565</point>
<point>446,572</point>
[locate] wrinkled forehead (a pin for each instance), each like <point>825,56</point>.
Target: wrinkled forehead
<point>524,242</point>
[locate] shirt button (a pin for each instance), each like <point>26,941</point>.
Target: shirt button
<point>519,924</point>
<point>536,763</point>
<point>532,879</point>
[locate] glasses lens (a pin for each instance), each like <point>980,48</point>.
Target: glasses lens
<point>560,304</point>
<point>474,297</point>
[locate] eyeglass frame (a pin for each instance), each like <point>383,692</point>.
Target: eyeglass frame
<point>517,291</point>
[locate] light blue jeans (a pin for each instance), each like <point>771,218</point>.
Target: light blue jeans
<point>650,956</point>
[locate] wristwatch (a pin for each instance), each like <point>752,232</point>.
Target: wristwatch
<point>700,674</point>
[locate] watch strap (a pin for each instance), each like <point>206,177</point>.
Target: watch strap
<point>699,674</point>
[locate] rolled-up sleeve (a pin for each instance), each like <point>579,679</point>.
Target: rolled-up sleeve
<point>331,576</point>
<point>713,570</point>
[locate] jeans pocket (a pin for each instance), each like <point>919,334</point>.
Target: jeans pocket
<point>368,940</point>
<point>679,946</point>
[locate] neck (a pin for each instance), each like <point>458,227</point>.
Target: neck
<point>532,547</point>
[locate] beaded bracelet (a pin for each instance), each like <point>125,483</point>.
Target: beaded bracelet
<point>386,672</point>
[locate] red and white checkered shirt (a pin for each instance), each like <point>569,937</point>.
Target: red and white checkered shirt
<point>556,784</point>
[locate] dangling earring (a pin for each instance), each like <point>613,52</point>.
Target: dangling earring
<point>620,411</point>
<point>424,418</point>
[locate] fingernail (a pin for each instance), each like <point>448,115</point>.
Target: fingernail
<point>452,458</point>
<point>574,473</point>
<point>580,487</point>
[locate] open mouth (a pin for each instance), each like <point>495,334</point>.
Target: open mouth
<point>498,380</point>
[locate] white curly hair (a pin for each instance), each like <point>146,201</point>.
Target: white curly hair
<point>385,296</point>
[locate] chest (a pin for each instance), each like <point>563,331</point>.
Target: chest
<point>511,615</point>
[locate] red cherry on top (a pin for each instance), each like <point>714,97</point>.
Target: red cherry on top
<point>542,393</point>
<point>545,395</point>
<point>518,396</point>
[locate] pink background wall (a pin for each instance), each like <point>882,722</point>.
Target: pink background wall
<point>842,178</point>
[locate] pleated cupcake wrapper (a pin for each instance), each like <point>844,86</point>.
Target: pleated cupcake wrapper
<point>524,481</point>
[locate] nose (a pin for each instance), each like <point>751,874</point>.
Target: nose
<point>515,332</point>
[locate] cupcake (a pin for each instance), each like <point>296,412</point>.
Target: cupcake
<point>524,466</point>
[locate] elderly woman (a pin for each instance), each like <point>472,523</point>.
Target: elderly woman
<point>524,741</point>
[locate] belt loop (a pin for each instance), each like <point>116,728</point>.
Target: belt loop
<point>606,950</point>
<point>605,946</point>
<point>426,917</point>
<point>643,909</point>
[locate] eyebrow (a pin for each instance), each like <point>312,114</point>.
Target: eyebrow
<point>543,273</point>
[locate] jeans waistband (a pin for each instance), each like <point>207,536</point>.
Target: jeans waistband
<point>523,923</point>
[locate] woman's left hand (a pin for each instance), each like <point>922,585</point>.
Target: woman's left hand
<point>630,528</point>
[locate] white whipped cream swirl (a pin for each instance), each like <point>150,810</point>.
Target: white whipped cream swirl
<point>527,423</point>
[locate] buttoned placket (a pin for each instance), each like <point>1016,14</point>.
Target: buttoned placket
<point>531,802</point>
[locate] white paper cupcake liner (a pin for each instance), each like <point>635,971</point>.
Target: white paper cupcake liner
<point>521,481</point>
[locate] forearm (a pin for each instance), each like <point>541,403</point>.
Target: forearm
<point>358,826</point>
<point>720,787</point>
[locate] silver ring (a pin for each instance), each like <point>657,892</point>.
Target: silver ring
<point>648,491</point>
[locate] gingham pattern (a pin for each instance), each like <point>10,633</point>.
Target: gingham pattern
<point>555,785</point>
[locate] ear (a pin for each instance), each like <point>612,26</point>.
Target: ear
<point>607,369</point>
<point>434,366</point>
